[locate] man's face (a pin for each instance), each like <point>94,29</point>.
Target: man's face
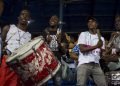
<point>117,23</point>
<point>24,17</point>
<point>92,24</point>
<point>53,21</point>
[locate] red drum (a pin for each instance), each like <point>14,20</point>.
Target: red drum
<point>34,62</point>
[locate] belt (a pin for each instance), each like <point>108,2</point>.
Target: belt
<point>92,63</point>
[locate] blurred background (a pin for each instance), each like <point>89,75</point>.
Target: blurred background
<point>72,12</point>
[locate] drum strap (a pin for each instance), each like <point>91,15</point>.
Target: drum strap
<point>20,36</point>
<point>6,52</point>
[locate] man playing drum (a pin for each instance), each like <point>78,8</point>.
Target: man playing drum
<point>13,36</point>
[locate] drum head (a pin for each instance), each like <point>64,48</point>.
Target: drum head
<point>25,49</point>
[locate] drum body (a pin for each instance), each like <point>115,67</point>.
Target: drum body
<point>113,78</point>
<point>34,62</point>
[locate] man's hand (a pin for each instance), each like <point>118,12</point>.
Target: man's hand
<point>67,37</point>
<point>48,38</point>
<point>111,58</point>
<point>58,37</point>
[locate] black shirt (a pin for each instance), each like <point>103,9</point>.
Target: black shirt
<point>54,44</point>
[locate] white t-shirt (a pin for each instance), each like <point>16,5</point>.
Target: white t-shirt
<point>16,37</point>
<point>91,40</point>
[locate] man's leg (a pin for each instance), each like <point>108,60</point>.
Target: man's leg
<point>83,71</point>
<point>98,76</point>
<point>57,79</point>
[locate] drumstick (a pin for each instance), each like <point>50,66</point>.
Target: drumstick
<point>99,34</point>
<point>67,37</point>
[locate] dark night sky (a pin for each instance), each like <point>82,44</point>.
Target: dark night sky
<point>74,13</point>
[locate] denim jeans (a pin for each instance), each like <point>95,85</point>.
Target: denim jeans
<point>93,69</point>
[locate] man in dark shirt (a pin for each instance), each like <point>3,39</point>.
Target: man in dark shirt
<point>57,42</point>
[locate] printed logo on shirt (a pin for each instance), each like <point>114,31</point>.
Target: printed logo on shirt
<point>53,44</point>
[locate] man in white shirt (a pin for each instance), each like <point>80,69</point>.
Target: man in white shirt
<point>13,36</point>
<point>91,44</point>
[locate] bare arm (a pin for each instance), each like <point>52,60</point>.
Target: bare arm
<point>74,56</point>
<point>46,35</point>
<point>4,34</point>
<point>86,48</point>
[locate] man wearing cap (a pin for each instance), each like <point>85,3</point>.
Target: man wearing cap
<point>91,44</point>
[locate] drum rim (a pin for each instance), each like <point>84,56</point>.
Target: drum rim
<point>17,56</point>
<point>49,76</point>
